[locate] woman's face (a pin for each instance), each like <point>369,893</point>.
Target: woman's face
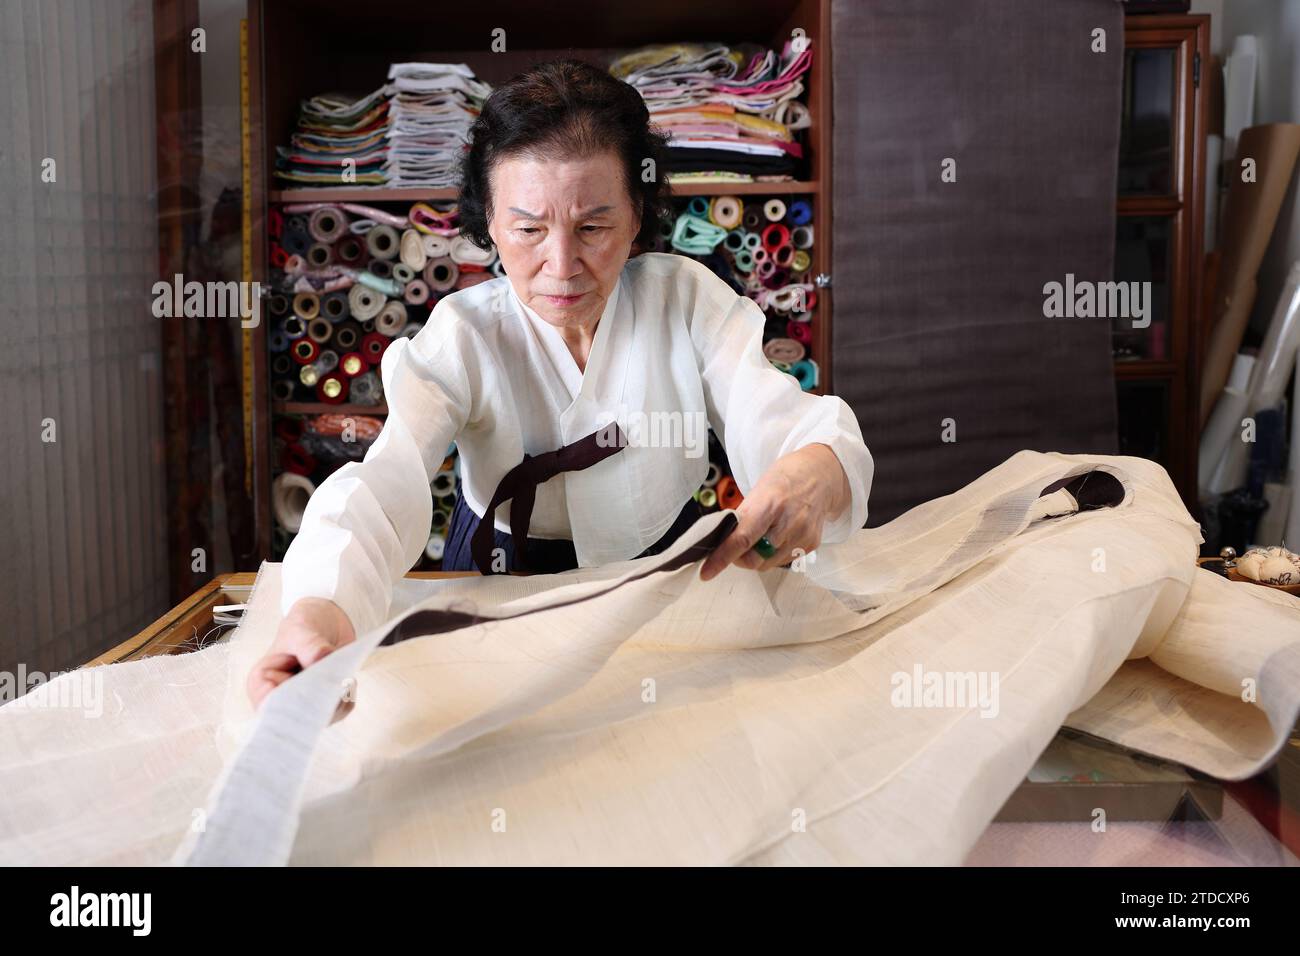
<point>563,230</point>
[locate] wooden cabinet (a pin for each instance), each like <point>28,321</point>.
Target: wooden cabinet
<point>299,49</point>
<point>1158,239</point>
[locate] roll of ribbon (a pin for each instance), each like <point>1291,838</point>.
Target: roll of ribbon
<point>327,224</point>
<point>319,255</point>
<point>441,274</point>
<point>320,329</point>
<point>802,237</point>
<point>353,364</point>
<point>805,373</point>
<point>417,292</point>
<point>774,210</point>
<point>729,495</point>
<point>403,273</point>
<point>289,496</point>
<point>714,475</point>
<point>277,341</point>
<point>380,267</point>
<point>366,389</point>
<point>382,242</point>
<point>444,483</point>
<point>726,211</point>
<point>304,351</point>
<point>347,335</point>
<point>293,327</point>
<point>775,235</point>
<point>351,251</point>
<point>282,390</point>
<point>784,350</point>
<point>435,547</point>
<point>801,332</point>
<point>335,306</point>
<point>698,207</point>
<point>708,498</point>
<point>436,247</point>
<point>364,302</point>
<point>801,261</point>
<point>412,250</point>
<point>799,213</point>
<point>306,305</point>
<point>373,346</point>
<point>391,319</point>
<point>332,389</point>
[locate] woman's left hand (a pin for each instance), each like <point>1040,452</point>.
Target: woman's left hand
<point>789,505</point>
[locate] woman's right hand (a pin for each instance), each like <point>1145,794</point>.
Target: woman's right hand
<point>313,628</point>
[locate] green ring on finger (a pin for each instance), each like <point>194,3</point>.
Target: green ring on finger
<point>764,547</point>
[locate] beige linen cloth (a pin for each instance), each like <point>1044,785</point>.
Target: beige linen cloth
<point>632,714</point>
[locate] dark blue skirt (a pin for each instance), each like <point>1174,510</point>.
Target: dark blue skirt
<point>545,555</point>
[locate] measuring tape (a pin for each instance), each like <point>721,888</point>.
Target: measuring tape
<point>246,155</point>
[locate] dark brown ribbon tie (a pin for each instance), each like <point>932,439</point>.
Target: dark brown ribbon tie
<point>519,487</point>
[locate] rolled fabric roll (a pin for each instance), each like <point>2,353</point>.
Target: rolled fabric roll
<point>327,361</point>
<point>278,305</point>
<point>801,261</point>
<point>282,390</point>
<point>439,521</point>
<point>382,286</point>
<point>412,250</point>
<point>783,255</point>
<point>695,235</point>
<point>417,292</point>
<point>347,335</point>
<point>332,389</point>
<point>306,305</point>
<point>726,211</point>
<point>441,274</point>
<point>774,210</point>
<point>753,241</point>
<point>309,375</point>
<point>708,498</point>
<point>436,547</point>
<point>444,483</point>
<point>319,255</point>
<point>802,237</point>
<point>274,223</point>
<point>320,330</point>
<point>714,475</point>
<point>793,114</point>
<point>799,213</point>
<point>382,242</point>
<point>367,327</point>
<point>729,495</point>
<point>426,219</point>
<point>411,331</point>
<point>735,240</point>
<point>335,306</point>
<point>777,278</point>
<point>806,374</point>
<point>753,218</point>
<point>373,346</point>
<point>295,242</point>
<point>366,389</point>
<point>402,273</point>
<point>464,252</point>
<point>293,327</point>
<point>277,341</point>
<point>350,250</point>
<point>380,267</point>
<point>289,496</point>
<point>744,260</point>
<point>699,206</point>
<point>355,208</point>
<point>304,351</point>
<point>327,224</point>
<point>353,364</point>
<point>391,318</point>
<point>774,236</point>
<point>445,503</point>
<point>800,332</point>
<point>781,366</point>
<point>784,350</point>
<point>294,265</point>
<point>764,267</point>
<point>436,247</point>
<point>362,226</point>
<point>364,302</point>
<point>282,364</point>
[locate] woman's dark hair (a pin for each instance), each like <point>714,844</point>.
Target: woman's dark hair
<point>565,108</point>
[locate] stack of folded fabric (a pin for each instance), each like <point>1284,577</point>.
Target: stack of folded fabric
<point>731,114</point>
<point>333,129</point>
<point>433,107</point>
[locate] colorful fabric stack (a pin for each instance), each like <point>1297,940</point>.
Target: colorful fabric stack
<point>433,107</point>
<point>730,114</point>
<point>340,140</point>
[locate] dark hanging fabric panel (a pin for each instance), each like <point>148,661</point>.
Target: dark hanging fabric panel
<point>938,286</point>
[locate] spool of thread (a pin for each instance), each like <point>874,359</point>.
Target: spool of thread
<point>373,346</point>
<point>380,267</point>
<point>800,332</point>
<point>403,273</point>
<point>327,224</point>
<point>708,498</point>
<point>774,210</point>
<point>364,302</point>
<point>382,242</point>
<point>412,251</point>
<point>729,495</point>
<point>417,292</point>
<point>699,206</point>
<point>319,255</point>
<point>441,274</point>
<point>714,475</point>
<point>366,389</point>
<point>350,251</point>
<point>304,351</point>
<point>353,364</point>
<point>802,237</point>
<point>319,330</point>
<point>726,211</point>
<point>289,496</point>
<point>347,335</point>
<point>332,389</point>
<point>801,261</point>
<point>789,351</point>
<point>799,213</point>
<point>278,305</point>
<point>390,319</point>
<point>306,305</point>
<point>436,547</point>
<point>775,236</point>
<point>334,307</point>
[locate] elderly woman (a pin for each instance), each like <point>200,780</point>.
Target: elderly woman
<point>580,342</point>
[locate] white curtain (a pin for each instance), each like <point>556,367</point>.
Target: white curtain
<point>84,515</point>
